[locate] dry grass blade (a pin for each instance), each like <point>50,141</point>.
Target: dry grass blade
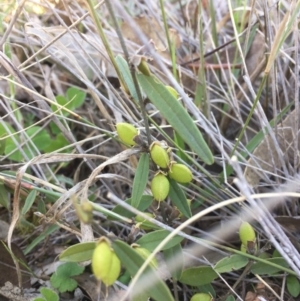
<point>265,159</point>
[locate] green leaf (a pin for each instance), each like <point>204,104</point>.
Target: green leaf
<point>178,198</point>
<point>140,180</point>
<point>39,299</point>
<point>41,207</point>
<point>9,143</point>
<point>144,204</point>
<point>231,263</point>
<point>176,115</point>
<point>58,142</point>
<point>169,255</point>
<point>230,298</point>
<point>207,289</point>
<point>2,145</point>
<point>261,268</point>
<point>49,294</point>
<point>73,100</point>
<point>4,196</point>
<point>5,134</point>
<point>125,72</point>
<point>62,101</point>
<point>40,137</point>
<point>180,152</point>
<point>76,96</point>
<point>293,285</point>
<point>151,240</point>
<point>132,261</point>
<point>79,252</point>
<point>197,276</point>
<point>29,201</point>
<point>62,280</point>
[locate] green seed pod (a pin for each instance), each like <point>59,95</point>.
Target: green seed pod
<point>145,254</point>
<point>247,234</point>
<point>243,248</point>
<point>201,297</point>
<point>160,187</point>
<point>180,173</point>
<point>127,132</point>
<point>86,209</point>
<point>144,68</point>
<point>159,155</point>
<point>172,91</point>
<point>106,265</point>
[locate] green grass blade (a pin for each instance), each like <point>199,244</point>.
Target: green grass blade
<point>29,201</point>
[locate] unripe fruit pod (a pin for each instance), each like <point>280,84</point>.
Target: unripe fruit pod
<point>106,265</point>
<point>180,173</point>
<point>144,68</point>
<point>201,297</point>
<point>172,91</point>
<point>243,248</point>
<point>127,132</point>
<point>145,254</point>
<point>160,187</point>
<point>86,212</point>
<point>247,234</point>
<point>159,155</point>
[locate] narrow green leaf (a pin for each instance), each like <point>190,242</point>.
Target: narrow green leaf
<point>197,276</point>
<point>140,180</point>
<point>40,238</point>
<point>178,198</point>
<point>176,115</point>
<point>151,240</point>
<point>174,255</point>
<point>125,72</point>
<point>29,201</point>
<point>293,285</point>
<point>144,204</point>
<point>231,263</point>
<point>180,142</point>
<point>79,252</point>
<point>132,261</point>
<point>261,268</point>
